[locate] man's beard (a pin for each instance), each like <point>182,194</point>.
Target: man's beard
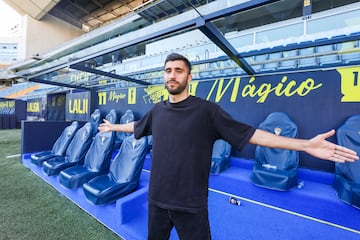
<point>179,89</point>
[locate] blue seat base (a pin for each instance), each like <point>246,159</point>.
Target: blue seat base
<point>76,176</point>
<point>127,217</point>
<point>53,166</point>
<point>276,179</point>
<point>347,191</point>
<point>103,190</point>
<point>40,157</point>
<point>218,165</point>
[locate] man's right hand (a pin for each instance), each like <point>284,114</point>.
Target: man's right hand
<point>106,126</point>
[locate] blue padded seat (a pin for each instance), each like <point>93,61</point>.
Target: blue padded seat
<point>124,175</point>
<point>96,162</point>
<point>59,147</point>
<point>220,159</point>
<point>127,117</point>
<point>75,153</point>
<point>276,168</point>
<point>347,175</point>
<point>112,116</point>
<point>95,119</point>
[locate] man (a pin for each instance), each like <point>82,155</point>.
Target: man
<point>184,129</point>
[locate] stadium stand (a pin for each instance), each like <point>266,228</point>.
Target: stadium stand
<point>308,58</point>
<point>327,56</point>
<point>349,52</point>
<point>273,64</point>
<point>21,90</point>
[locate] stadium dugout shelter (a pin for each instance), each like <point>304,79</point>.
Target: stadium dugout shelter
<point>252,58</point>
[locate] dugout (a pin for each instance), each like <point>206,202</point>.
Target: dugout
<point>252,58</point>
<point>283,64</point>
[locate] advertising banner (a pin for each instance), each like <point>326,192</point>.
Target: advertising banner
<point>56,106</point>
<point>36,108</point>
<point>316,101</point>
<point>7,107</point>
<point>78,106</point>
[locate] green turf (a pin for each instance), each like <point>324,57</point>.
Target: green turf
<point>32,209</point>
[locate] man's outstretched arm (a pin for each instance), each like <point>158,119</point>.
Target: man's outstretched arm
<point>317,146</point>
<point>106,126</point>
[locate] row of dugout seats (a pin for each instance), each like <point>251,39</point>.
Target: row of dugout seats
<point>278,169</point>
<point>59,149</point>
<point>275,169</point>
<point>82,157</point>
<point>87,161</point>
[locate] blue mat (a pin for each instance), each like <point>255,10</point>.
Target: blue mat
<point>315,199</point>
<point>313,212</point>
<point>253,221</point>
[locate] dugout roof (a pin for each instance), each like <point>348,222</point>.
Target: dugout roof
<point>147,22</point>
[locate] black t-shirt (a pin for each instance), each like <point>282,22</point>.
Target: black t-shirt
<point>183,137</point>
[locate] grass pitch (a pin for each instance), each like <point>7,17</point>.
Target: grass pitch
<point>32,209</point>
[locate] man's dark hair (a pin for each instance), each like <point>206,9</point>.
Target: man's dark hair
<point>178,57</point>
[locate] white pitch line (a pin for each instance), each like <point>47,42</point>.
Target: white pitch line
<point>12,156</point>
<point>286,211</point>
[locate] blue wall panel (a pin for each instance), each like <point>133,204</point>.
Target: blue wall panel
<point>41,135</point>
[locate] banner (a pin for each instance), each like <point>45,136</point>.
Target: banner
<point>56,107</point>
<point>307,8</point>
<point>7,107</point>
<point>36,108</point>
<point>78,106</point>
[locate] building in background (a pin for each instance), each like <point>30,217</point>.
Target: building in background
<point>9,35</point>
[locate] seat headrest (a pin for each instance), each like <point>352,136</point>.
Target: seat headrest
<point>111,116</point>
<point>279,123</point>
<point>72,128</point>
<point>95,116</point>
<point>127,117</point>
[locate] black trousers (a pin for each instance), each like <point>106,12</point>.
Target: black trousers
<point>189,226</point>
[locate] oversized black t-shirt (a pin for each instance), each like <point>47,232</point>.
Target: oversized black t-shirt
<point>183,135</point>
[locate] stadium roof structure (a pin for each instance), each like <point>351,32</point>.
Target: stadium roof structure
<point>147,23</point>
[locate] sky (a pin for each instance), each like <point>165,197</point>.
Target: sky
<point>8,19</point>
